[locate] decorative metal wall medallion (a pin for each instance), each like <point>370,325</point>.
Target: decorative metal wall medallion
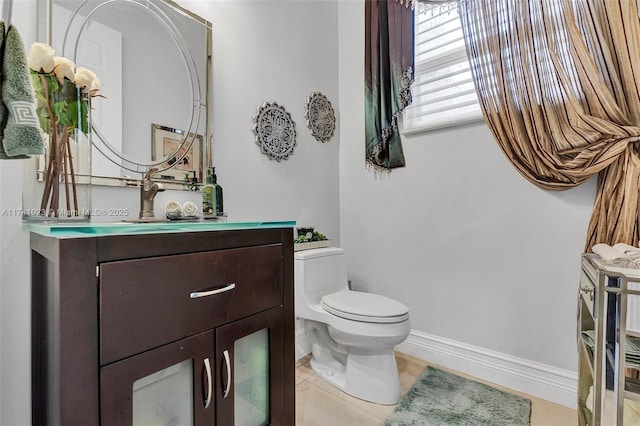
<point>320,117</point>
<point>275,131</point>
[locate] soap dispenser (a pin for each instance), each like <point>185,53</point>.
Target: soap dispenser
<point>212,203</point>
<point>219,200</point>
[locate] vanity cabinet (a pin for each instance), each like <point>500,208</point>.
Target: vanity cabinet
<point>608,344</point>
<point>172,328</point>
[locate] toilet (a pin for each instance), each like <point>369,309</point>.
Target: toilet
<point>352,334</point>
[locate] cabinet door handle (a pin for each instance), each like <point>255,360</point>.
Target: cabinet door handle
<point>588,291</point>
<point>207,367</point>
<point>227,362</point>
<point>197,294</point>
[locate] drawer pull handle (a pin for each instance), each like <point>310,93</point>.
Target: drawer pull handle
<point>198,294</point>
<point>227,362</point>
<point>587,291</point>
<point>207,367</point>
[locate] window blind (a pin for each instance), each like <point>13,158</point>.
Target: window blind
<point>443,91</point>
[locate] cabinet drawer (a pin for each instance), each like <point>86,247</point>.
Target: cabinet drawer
<point>145,303</point>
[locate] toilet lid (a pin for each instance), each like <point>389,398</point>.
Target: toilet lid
<point>365,307</point>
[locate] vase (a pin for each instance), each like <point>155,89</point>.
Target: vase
<point>57,184</point>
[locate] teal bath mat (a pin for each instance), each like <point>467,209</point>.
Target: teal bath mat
<point>438,398</point>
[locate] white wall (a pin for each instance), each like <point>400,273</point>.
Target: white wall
<point>15,293</point>
<point>278,51</point>
<point>479,255</point>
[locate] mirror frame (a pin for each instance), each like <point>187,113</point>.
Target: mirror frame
<point>44,29</point>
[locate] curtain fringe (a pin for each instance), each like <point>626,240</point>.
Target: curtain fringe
<point>406,3</point>
<point>404,101</point>
<point>370,165</point>
<point>424,6</point>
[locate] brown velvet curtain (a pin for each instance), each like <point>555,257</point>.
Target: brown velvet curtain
<point>388,77</point>
<point>559,86</point>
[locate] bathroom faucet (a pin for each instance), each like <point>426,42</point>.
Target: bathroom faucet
<point>148,191</point>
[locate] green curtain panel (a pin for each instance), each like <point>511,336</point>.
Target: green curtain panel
<point>388,77</point>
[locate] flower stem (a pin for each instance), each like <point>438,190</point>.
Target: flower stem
<point>69,173</point>
<point>64,155</point>
<point>55,202</point>
<point>50,170</point>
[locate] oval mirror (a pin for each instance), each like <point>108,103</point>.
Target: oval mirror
<point>153,60</point>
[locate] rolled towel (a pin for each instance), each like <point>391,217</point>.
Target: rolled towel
<point>628,250</point>
<point>190,209</point>
<point>174,209</point>
<point>614,257</point>
<point>22,134</point>
<point>606,252</point>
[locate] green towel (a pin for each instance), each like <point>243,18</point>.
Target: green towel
<point>3,110</point>
<point>22,134</point>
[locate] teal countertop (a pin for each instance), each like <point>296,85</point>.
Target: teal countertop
<point>88,229</point>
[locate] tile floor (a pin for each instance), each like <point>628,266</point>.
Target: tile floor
<point>320,404</point>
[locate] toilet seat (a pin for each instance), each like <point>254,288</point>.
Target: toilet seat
<point>364,307</point>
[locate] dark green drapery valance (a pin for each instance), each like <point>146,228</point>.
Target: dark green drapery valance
<point>388,77</point>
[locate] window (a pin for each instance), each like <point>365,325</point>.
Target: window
<point>443,93</point>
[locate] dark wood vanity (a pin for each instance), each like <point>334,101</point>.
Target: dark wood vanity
<point>120,320</point>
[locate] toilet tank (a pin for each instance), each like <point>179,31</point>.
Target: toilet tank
<point>318,272</point>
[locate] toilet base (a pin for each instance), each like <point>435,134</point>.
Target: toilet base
<point>365,374</point>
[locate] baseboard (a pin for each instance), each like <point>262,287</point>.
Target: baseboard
<point>540,380</point>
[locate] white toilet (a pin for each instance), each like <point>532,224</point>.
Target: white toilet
<point>352,333</point>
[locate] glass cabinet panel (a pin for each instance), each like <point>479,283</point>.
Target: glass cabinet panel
<point>165,397</point>
<point>249,356</point>
<point>251,380</point>
<point>169,385</point>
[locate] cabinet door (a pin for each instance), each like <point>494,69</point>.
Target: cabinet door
<point>249,359</point>
<point>170,385</point>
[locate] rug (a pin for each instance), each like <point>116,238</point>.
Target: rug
<point>438,398</point>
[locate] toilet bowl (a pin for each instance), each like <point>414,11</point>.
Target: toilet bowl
<point>352,334</point>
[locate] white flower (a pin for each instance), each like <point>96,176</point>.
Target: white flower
<point>64,68</point>
<point>41,57</point>
<point>85,78</point>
